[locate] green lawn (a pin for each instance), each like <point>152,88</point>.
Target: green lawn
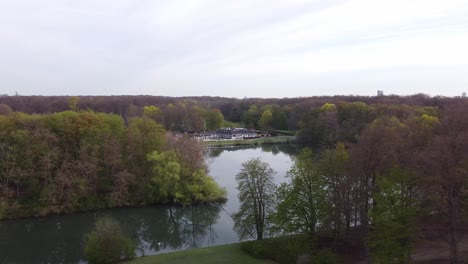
<point>225,254</point>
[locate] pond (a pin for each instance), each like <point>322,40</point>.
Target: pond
<point>158,229</point>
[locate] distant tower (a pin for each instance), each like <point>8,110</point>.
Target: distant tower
<point>464,95</point>
<point>379,93</point>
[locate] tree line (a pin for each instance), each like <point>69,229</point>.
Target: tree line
<point>205,113</point>
<point>404,177</point>
<point>82,160</point>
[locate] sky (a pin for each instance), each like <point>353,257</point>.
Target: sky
<point>242,48</point>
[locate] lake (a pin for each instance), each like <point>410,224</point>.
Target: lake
<point>158,229</point>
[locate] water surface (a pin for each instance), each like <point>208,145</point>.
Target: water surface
<point>157,229</point>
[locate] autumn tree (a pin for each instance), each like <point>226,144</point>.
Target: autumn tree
<point>256,194</point>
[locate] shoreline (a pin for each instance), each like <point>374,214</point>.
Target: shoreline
<point>252,142</point>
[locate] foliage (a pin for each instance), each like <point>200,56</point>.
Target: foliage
<point>107,243</point>
<point>256,195</point>
<point>393,218</point>
<point>282,250</point>
<point>287,249</point>
<point>303,202</point>
<point>265,120</point>
<point>82,160</point>
<point>334,166</point>
<point>325,256</point>
<point>214,119</point>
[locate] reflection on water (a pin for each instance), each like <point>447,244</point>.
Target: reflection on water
<point>288,149</point>
<point>60,238</point>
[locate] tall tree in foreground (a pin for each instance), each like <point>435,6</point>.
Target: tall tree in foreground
<point>393,216</point>
<point>333,165</point>
<point>446,165</point>
<point>304,201</point>
<point>256,195</point>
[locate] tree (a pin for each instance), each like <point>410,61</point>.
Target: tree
<point>256,195</point>
<point>393,216</point>
<point>445,163</point>
<point>107,243</point>
<point>5,109</point>
<point>265,120</point>
<point>333,165</point>
<point>214,119</point>
<point>304,201</point>
<point>73,103</point>
<point>375,154</point>
<point>153,112</point>
<point>251,117</point>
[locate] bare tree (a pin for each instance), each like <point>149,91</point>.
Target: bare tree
<point>445,163</point>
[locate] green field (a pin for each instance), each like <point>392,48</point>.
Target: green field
<point>257,141</point>
<point>225,254</point>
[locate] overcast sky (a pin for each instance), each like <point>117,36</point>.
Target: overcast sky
<point>242,48</point>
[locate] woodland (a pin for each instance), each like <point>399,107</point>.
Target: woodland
<point>395,168</point>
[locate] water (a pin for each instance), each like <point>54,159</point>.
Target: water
<point>159,229</point>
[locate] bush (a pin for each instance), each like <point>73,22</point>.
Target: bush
<point>107,243</point>
<point>282,250</point>
<point>325,256</point>
<point>290,250</point>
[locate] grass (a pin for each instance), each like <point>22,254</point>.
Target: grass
<point>285,132</point>
<point>225,254</point>
<point>257,141</point>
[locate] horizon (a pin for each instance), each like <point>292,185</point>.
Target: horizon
<point>462,96</point>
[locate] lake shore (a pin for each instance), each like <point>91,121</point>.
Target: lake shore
<point>257,141</point>
<point>227,254</point>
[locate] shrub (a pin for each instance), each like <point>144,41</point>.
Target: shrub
<point>325,256</point>
<point>282,250</point>
<point>107,243</point>
<point>289,250</point>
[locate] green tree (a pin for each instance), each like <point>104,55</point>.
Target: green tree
<point>393,229</point>
<point>265,119</point>
<point>73,103</point>
<point>214,119</point>
<point>256,195</point>
<point>165,177</point>
<point>250,117</point>
<point>279,119</point>
<point>333,165</point>
<point>107,243</point>
<point>303,201</point>
<point>154,113</point>
<point>327,107</point>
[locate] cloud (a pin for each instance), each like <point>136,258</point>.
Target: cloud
<point>196,46</point>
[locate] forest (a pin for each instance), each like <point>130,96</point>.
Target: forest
<point>385,178</point>
<point>82,160</point>
<point>395,168</point>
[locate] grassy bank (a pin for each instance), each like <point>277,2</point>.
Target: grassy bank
<point>226,254</point>
<point>257,141</point>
